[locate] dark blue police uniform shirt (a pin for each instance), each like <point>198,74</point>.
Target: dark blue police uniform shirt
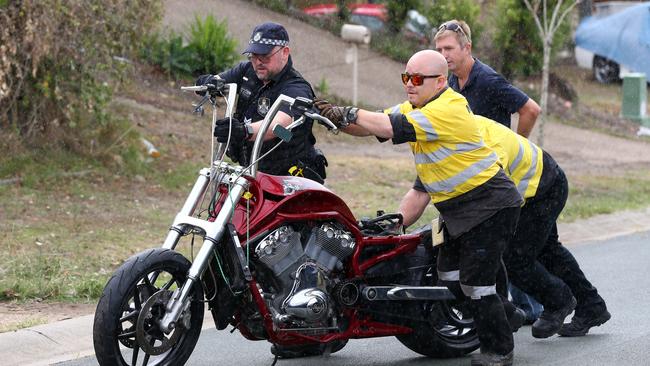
<point>489,94</point>
<point>255,98</point>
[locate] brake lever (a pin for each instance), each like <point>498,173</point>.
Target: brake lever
<point>198,107</point>
<point>323,120</point>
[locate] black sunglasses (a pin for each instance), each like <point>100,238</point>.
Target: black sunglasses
<point>452,26</point>
<point>417,79</point>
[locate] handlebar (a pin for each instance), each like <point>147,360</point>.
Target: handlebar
<point>229,91</point>
<point>303,105</point>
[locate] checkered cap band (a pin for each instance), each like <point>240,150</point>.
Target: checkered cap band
<point>274,42</point>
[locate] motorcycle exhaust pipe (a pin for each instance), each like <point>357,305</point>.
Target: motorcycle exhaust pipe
<point>401,293</point>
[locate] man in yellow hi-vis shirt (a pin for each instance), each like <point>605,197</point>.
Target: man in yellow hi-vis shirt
<point>536,261</point>
<point>463,179</point>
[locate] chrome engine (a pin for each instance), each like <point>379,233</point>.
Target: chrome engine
<point>305,270</point>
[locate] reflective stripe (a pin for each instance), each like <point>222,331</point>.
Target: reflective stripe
<point>445,152</point>
<point>523,184</point>
<point>476,292</point>
<point>424,124</point>
<point>448,185</point>
<point>517,160</point>
<point>449,276</point>
<point>394,109</point>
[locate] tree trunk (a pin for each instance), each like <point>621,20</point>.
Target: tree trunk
<point>544,89</point>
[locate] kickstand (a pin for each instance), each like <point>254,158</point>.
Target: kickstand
<point>275,360</point>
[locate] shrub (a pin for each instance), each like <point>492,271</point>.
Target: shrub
<point>213,48</point>
<point>397,13</point>
<point>208,49</point>
<point>168,53</point>
<point>60,62</point>
<point>443,10</point>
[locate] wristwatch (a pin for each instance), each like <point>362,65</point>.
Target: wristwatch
<point>351,115</point>
<point>249,130</point>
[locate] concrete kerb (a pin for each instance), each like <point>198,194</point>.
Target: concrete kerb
<point>48,343</point>
<point>72,338</point>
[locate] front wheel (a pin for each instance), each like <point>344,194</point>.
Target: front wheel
<point>448,332</point>
<point>126,331</point>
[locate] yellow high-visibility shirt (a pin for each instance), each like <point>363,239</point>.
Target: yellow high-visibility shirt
<point>450,155</point>
<point>521,159</point>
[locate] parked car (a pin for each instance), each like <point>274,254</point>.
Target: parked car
<point>375,17</point>
<point>615,43</point>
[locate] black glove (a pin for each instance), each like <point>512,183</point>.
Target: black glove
<point>206,79</point>
<point>239,132</point>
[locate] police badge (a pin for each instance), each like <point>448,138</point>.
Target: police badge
<point>263,105</point>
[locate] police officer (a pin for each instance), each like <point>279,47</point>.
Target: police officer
<point>268,73</point>
<point>462,178</point>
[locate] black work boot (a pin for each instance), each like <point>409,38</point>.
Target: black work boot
<point>550,322</point>
<point>516,319</point>
<point>492,359</point>
<point>579,326</point>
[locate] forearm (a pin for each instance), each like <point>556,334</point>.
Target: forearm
<point>413,205</point>
<point>356,130</point>
<point>280,118</point>
<point>375,123</point>
<point>527,117</point>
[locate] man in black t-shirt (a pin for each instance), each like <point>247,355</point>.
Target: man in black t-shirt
<point>489,94</point>
<point>260,81</point>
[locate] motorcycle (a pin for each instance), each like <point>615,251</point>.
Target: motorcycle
<point>282,259</point>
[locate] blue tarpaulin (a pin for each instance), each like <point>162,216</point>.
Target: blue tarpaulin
<point>623,37</point>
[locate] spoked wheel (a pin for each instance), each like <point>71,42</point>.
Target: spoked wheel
<point>126,330</point>
<point>449,332</point>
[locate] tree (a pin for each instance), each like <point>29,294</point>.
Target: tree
<point>397,11</point>
<point>546,29</point>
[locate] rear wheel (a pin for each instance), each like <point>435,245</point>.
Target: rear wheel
<point>126,330</point>
<point>448,332</point>
<point>605,70</point>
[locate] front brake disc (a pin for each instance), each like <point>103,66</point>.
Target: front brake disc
<point>150,337</point>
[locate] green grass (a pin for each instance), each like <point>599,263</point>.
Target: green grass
<point>64,237</point>
<point>594,195</point>
<point>29,322</point>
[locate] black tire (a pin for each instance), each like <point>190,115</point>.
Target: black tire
<point>605,71</point>
<point>448,333</point>
<point>125,295</point>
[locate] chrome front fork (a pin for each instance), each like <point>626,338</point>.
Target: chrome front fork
<point>214,231</point>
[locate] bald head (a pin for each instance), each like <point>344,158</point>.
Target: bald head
<point>433,67</point>
<point>428,62</point>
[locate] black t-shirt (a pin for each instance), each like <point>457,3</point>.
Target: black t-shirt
<point>464,212</point>
<point>489,94</point>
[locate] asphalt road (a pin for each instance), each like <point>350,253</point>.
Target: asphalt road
<point>617,267</point>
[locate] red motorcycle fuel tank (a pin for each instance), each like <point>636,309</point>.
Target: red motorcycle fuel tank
<point>275,199</point>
